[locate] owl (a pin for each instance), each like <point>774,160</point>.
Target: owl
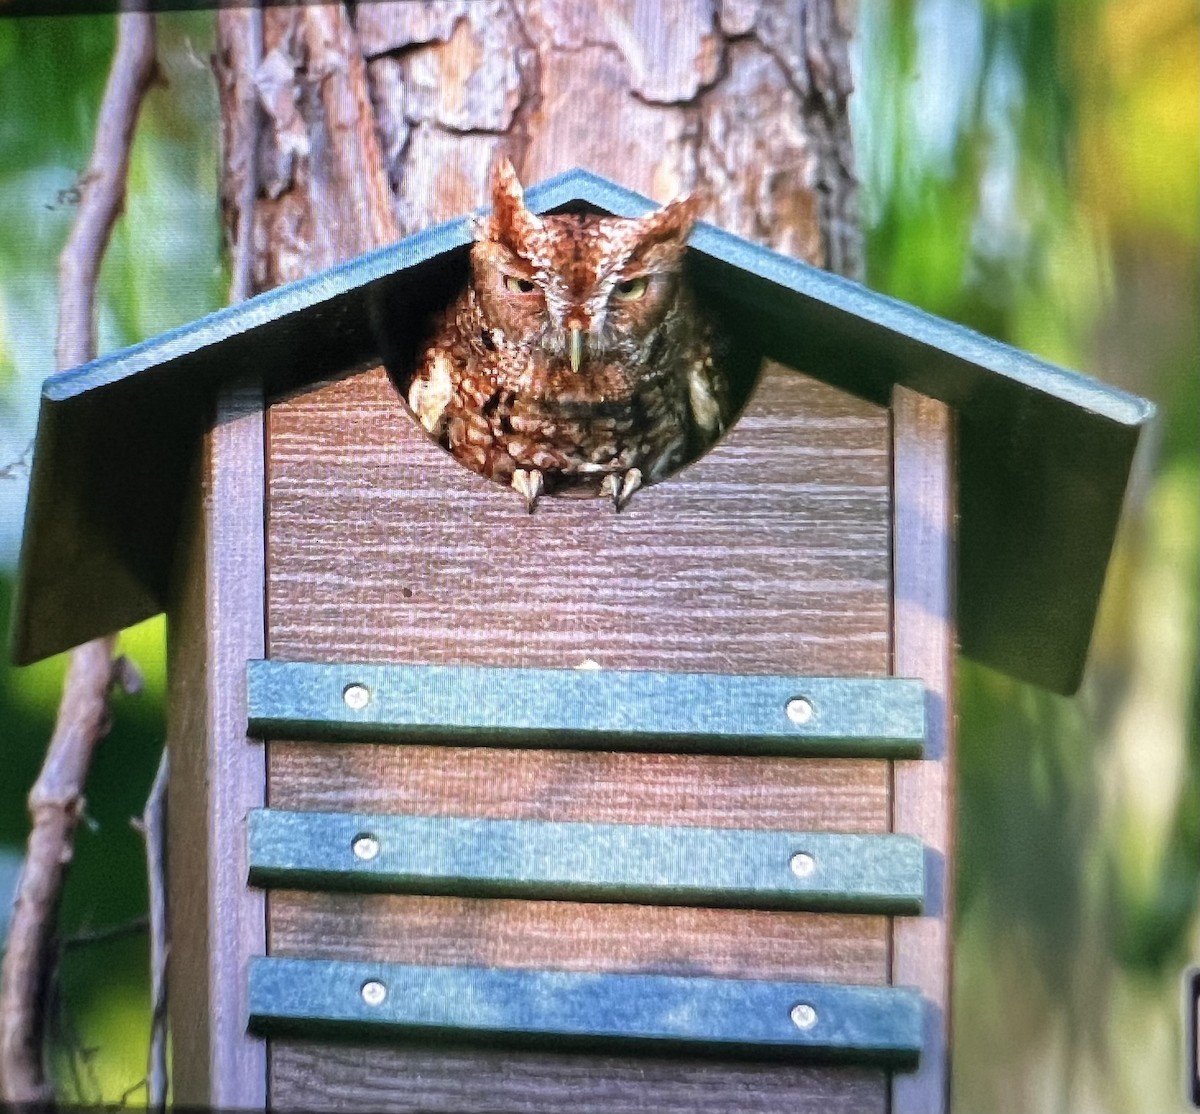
<point>576,359</point>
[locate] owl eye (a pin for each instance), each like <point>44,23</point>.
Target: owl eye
<point>519,285</point>
<point>631,289</point>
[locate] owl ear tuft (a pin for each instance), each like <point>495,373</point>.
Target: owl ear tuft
<point>510,221</point>
<point>662,235</point>
<point>674,221</point>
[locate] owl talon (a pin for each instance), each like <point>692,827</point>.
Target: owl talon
<point>620,488</point>
<point>528,482</point>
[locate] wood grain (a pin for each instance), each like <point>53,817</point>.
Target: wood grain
<point>924,791</point>
<point>566,936</point>
<point>604,787</point>
<point>769,555</point>
<point>323,1076</point>
<point>215,622</point>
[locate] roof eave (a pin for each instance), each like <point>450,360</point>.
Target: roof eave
<point>1045,453</point>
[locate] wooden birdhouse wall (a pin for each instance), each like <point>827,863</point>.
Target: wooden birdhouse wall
<point>815,539</point>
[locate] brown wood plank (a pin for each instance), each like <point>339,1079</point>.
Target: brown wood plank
<point>568,936</point>
<point>924,791</point>
<point>319,1076</point>
<point>215,622</point>
<point>603,787</point>
<point>771,554</point>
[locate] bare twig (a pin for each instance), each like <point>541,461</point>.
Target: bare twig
<point>55,804</point>
<point>56,800</point>
<point>103,185</point>
<point>135,926</point>
<point>153,826</point>
<point>19,466</point>
<point>123,1100</point>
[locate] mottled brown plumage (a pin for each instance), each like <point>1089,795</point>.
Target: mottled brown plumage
<point>576,357</point>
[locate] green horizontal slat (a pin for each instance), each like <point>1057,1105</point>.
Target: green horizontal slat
<point>705,712</point>
<point>656,1012</point>
<point>587,862</point>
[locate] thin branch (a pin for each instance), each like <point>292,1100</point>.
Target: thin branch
<point>135,926</point>
<point>123,1101</point>
<point>55,804</point>
<point>18,466</point>
<point>56,800</point>
<point>103,184</point>
<point>153,827</point>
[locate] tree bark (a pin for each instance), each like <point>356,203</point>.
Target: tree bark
<point>376,124</point>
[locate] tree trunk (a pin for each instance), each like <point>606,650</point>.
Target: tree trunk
<point>377,124</point>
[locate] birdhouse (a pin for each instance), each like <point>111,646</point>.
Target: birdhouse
<point>473,809</point>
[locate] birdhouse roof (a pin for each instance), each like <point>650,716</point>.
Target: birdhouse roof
<point>1043,454</point>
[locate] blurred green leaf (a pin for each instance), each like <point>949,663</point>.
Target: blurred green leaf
<point>52,74</point>
<point>1032,169</point>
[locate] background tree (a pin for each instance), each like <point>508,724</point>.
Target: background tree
<point>343,129</point>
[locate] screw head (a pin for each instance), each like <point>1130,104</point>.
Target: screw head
<point>356,696</point>
<point>799,709</point>
<point>365,847</point>
<point>373,992</point>
<point>802,864</point>
<point>803,1016</point>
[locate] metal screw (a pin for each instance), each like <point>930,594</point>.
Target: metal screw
<point>374,992</point>
<point>803,1016</point>
<point>365,847</point>
<point>802,864</point>
<point>799,709</point>
<point>356,696</point>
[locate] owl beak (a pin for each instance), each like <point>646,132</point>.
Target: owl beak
<point>575,347</point>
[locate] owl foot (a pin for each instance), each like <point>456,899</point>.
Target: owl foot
<point>528,482</point>
<point>620,488</point>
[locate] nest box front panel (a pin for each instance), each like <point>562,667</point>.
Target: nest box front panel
<point>770,555</point>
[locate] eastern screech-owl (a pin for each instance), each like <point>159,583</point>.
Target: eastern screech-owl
<point>576,356</point>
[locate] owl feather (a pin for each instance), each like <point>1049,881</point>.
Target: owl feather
<point>576,358</point>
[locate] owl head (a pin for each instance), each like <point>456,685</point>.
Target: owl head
<point>582,289</point>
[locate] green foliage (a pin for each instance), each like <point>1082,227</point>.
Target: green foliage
<point>1031,169</point>
<point>1154,873</point>
<point>107,883</point>
<point>51,83</point>
<point>52,77</point>
<point>163,267</point>
<point>1026,811</point>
